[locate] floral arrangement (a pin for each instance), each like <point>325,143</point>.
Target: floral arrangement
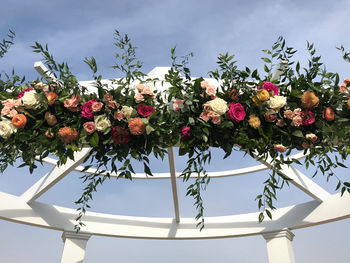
<point>263,116</point>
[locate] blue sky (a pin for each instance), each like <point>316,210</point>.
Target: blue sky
<point>77,29</point>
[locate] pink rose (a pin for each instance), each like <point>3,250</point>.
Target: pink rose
<point>176,105</point>
<point>24,91</point>
<point>5,111</point>
<point>346,81</point>
<point>204,116</point>
<point>343,88</point>
<point>204,84</point>
<point>118,115</point>
<point>289,114</point>
<point>89,127</point>
<point>86,109</point>
<point>207,106</point>
<point>147,91</point>
<point>216,119</point>
<point>211,91</point>
<point>236,112</point>
<point>271,115</point>
<point>72,103</point>
<point>138,97</point>
<point>96,106</point>
<point>312,137</point>
<point>145,110</point>
<point>308,117</point>
<point>297,121</point>
<point>185,132</point>
<point>108,97</point>
<point>270,87</point>
<point>280,123</point>
<point>12,113</point>
<point>280,148</point>
<point>298,111</point>
<point>140,87</point>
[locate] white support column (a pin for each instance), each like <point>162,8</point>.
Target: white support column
<point>279,246</point>
<point>74,246</point>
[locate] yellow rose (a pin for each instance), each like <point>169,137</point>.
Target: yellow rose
<point>254,121</point>
<point>263,95</point>
<point>256,101</point>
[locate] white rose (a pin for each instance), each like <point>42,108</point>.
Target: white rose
<point>219,106</point>
<point>277,102</point>
<point>127,111</point>
<point>30,100</point>
<point>6,128</point>
<point>102,123</point>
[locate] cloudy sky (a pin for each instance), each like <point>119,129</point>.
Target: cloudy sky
<point>78,29</point>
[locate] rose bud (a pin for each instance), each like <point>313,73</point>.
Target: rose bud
<point>312,137</point>
<point>50,119</point>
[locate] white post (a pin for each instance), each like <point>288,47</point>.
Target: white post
<point>279,246</point>
<point>74,246</point>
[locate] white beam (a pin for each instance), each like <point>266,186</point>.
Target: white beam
<point>300,180</point>
<point>74,246</point>
<point>279,246</point>
<point>53,177</point>
<point>174,183</point>
<point>44,72</point>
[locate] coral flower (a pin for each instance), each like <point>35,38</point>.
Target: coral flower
<point>137,126</point>
<point>309,100</point>
<point>68,134</point>
<point>328,114</point>
<point>19,121</point>
<point>51,97</point>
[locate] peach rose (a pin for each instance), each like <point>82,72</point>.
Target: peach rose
<point>147,91</point>
<point>280,148</point>
<point>289,114</point>
<point>137,126</point>
<point>72,103</point>
<point>89,127</point>
<point>12,113</point>
<point>312,137</point>
<point>343,88</point>
<point>96,106</point>
<point>280,123</point>
<point>297,111</point>
<point>139,98</point>
<point>108,97</point>
<point>68,134</point>
<point>118,115</point>
<point>140,87</point>
<point>204,84</point>
<point>216,119</point>
<point>211,91</point>
<point>297,121</point>
<point>204,116</point>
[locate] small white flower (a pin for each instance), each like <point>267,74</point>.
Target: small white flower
<point>277,102</point>
<point>6,128</point>
<point>102,123</point>
<point>219,106</point>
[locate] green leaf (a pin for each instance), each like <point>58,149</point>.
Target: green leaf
<point>149,129</point>
<point>267,60</point>
<point>298,133</point>
<point>94,140</point>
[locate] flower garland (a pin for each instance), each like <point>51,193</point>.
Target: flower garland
<point>262,116</point>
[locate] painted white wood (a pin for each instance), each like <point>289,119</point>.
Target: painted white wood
<point>300,180</point>
<point>279,246</point>
<point>44,72</point>
<point>53,177</point>
<point>174,183</point>
<point>228,173</point>
<point>15,209</point>
<point>74,246</point>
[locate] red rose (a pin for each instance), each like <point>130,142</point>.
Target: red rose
<point>185,131</point>
<point>145,110</point>
<point>120,135</point>
<point>236,112</point>
<point>86,109</point>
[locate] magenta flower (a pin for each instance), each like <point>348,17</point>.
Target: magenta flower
<point>308,117</point>
<point>86,109</point>
<point>236,112</point>
<point>269,87</point>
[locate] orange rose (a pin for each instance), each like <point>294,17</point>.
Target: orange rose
<point>136,126</point>
<point>309,100</point>
<point>328,114</point>
<point>51,97</point>
<point>19,121</point>
<point>68,134</point>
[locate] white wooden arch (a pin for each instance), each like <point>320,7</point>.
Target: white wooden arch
<point>25,209</point>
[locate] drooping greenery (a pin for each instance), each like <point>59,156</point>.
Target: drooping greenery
<point>266,117</point>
